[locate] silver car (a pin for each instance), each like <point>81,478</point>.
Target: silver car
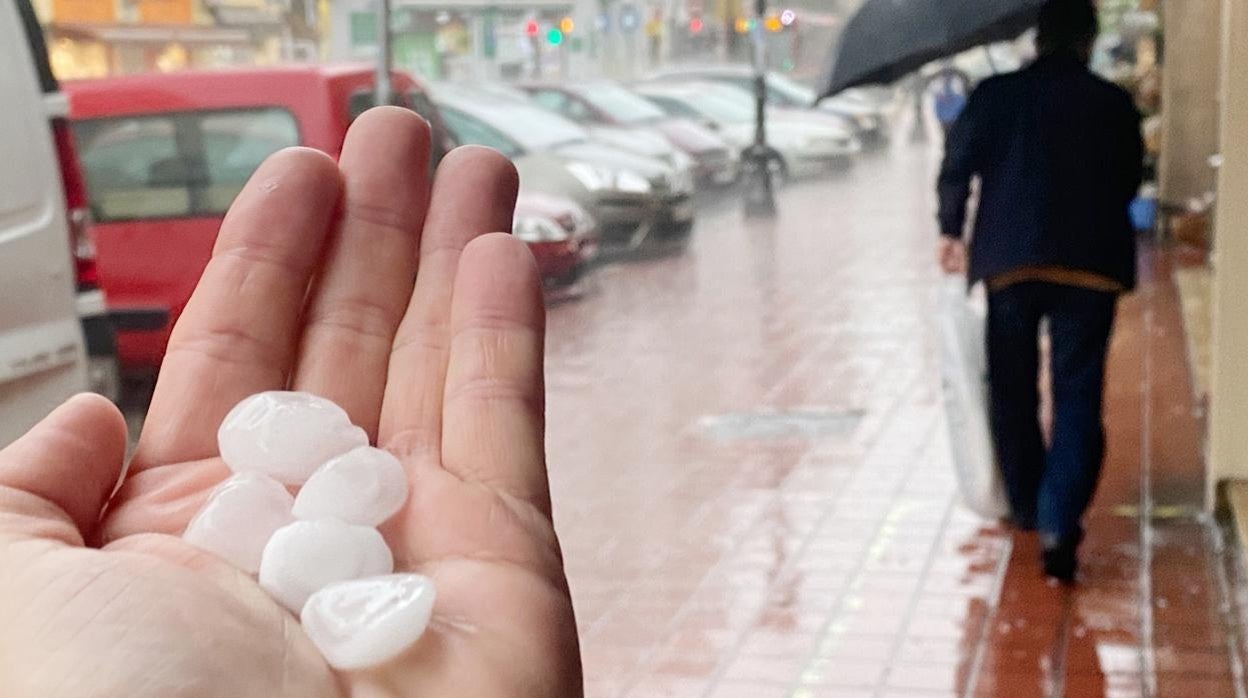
<point>804,142</point>
<point>868,115</point>
<point>635,199</point>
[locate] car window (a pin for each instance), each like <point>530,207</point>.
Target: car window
<point>182,165</point>
<point>674,106</point>
<point>561,103</point>
<point>420,103</point>
<point>364,100</point>
<point>468,130</point>
<point>551,99</point>
<point>780,92</point>
<point>727,106</point>
<point>793,92</point>
<point>620,104</point>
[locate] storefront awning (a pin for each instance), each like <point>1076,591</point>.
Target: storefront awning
<point>154,34</point>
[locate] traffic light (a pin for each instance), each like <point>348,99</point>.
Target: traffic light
<point>566,25</point>
<point>772,24</point>
<point>695,25</point>
<point>554,36</point>
<point>531,28</point>
<point>742,25</point>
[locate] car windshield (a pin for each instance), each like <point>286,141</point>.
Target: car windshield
<point>623,106</point>
<point>728,106</point>
<point>181,165</point>
<point>531,127</point>
<point>781,91</point>
<point>469,130</point>
<point>793,93</point>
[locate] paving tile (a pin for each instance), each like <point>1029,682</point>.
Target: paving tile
<point>776,669</point>
<point>950,678</point>
<point>1205,687</point>
<point>1105,686</point>
<point>838,673</point>
<point>1014,685</point>
<point>667,687</point>
<point>749,689</point>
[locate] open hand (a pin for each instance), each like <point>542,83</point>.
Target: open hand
<point>359,282</point>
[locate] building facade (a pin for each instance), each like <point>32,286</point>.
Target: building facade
<point>96,38</point>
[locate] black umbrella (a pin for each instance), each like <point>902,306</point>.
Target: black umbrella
<point>889,39</point>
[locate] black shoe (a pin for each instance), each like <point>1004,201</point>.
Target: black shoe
<point>1023,524</point>
<point>1060,558</point>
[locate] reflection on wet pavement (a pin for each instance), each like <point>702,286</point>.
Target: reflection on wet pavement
<point>754,493</point>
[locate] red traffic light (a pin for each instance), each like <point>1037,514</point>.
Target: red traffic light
<point>695,25</point>
<point>531,28</point>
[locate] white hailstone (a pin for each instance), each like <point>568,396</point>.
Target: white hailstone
<point>364,486</point>
<point>365,622</point>
<point>305,556</point>
<point>286,435</point>
<point>239,517</point>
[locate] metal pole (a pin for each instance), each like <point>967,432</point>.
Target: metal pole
<point>383,53</point>
<point>760,200</point>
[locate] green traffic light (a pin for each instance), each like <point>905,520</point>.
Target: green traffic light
<point>554,36</point>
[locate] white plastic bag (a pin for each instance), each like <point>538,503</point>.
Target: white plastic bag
<point>964,378</point>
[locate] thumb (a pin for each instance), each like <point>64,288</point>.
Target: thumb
<point>55,480</point>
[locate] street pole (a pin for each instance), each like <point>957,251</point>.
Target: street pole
<point>760,199</point>
<point>383,88</point>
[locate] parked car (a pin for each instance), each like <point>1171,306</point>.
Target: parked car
<point>634,199</point>
<point>165,155</point>
<point>562,236</point>
<point>804,143</point>
<point>865,113</point>
<point>55,336</point>
<point>607,107</point>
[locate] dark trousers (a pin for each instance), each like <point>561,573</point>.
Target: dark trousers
<point>1051,487</point>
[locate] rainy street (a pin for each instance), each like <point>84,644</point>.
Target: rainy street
<point>753,485</point>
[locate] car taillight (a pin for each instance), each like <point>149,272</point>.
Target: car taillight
<point>78,212</point>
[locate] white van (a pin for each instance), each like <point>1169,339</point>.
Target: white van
<point>43,357</point>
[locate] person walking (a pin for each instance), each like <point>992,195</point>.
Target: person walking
<point>952,88</point>
<point>1058,155</point>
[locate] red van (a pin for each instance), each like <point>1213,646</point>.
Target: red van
<point>164,155</point>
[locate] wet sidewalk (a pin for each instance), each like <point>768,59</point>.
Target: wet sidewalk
<point>754,493</point>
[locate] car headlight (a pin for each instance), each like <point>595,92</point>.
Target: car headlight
<point>631,182</point>
<point>681,181</point>
<point>594,178</point>
<point>829,142</point>
<point>681,160</point>
<point>530,229</point>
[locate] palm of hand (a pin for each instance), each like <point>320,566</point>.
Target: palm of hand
<point>447,374</point>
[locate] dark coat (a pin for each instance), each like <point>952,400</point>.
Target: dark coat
<point>1060,157</point>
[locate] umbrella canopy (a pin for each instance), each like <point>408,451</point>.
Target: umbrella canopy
<point>888,39</point>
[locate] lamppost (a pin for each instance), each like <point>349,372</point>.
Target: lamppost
<point>382,89</point>
<point>760,199</point>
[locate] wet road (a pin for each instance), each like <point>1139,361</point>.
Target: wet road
<point>753,489</point>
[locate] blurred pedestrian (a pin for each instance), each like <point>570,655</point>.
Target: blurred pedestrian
<point>952,89</point>
<point>1058,154</point>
